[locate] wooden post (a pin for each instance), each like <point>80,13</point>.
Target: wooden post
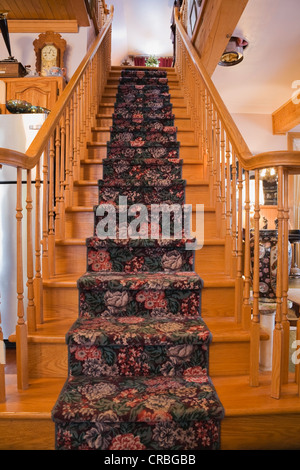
<point>31,319</point>
<point>239,278</point>
<point>51,209</point>
<point>255,324</point>
<point>278,331</point>
<point>38,281</point>
<point>246,315</point>
<point>45,221</point>
<point>285,283</point>
<point>21,327</point>
<point>228,238</point>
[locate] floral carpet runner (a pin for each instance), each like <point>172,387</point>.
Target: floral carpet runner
<point>138,352</point>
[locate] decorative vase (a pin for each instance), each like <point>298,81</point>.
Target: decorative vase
<point>268,263</point>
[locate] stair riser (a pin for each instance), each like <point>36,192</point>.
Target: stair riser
<point>88,196</point>
<point>72,259</point>
<point>176,100</point>
<point>184,137</point>
<point>106,361</point>
<point>108,109</point>
<point>123,259</point>
<point>81,224</point>
<point>181,123</point>
<point>94,171</point>
<point>51,360</point>
<point>217,301</point>
<point>154,303</point>
<point>186,152</point>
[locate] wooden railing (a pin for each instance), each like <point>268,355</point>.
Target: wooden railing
<point>229,165</point>
<point>54,156</point>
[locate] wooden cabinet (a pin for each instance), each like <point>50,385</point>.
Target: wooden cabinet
<point>39,91</point>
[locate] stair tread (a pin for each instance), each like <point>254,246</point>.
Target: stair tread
<point>38,401</point>
<point>118,389</point>
<point>138,331</point>
<point>222,329</point>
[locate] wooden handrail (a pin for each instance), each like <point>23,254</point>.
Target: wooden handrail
<point>29,159</point>
<point>287,159</point>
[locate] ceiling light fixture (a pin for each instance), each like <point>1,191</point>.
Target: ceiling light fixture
<point>234,52</point>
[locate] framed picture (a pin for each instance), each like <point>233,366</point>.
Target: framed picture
<point>193,16</point>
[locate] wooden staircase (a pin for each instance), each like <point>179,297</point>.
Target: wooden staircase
<point>253,420</point>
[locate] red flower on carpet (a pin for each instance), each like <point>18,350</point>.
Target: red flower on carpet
<point>137,142</point>
<point>126,442</point>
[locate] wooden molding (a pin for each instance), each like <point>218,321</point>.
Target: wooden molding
<point>40,26</point>
<point>286,117</point>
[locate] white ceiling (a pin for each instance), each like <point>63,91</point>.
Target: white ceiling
<point>259,84</point>
<point>263,81</point>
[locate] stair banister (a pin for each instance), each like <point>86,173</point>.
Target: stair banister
<point>54,155</point>
<point>228,162</point>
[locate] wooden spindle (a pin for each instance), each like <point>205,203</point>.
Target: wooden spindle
<point>234,216</point>
<point>57,207</point>
<point>246,315</point>
<point>285,283</point>
<point>222,232</point>
<point>38,281</point>
<point>51,209</point>
<point>62,182</point>
<point>255,324</point>
<point>228,239</point>
<point>278,330</point>
<point>31,319</point>
<point>21,327</point>
<point>239,275</point>
<point>68,159</point>
<point>45,222</point>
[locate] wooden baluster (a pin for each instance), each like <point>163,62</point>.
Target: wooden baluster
<point>278,331</point>
<point>51,209</point>
<point>2,364</point>
<point>255,324</point>
<point>75,153</point>
<point>223,183</point>
<point>71,146</point>
<point>81,112</point>
<point>38,281</point>
<point>78,134</point>
<point>217,171</point>
<point>45,224</point>
<point>204,134</point>
<point>239,275</point>
<point>228,239</point>
<point>246,316</point>
<point>94,109</point>
<point>234,216</point>
<point>210,149</point>
<point>21,327</point>
<point>62,182</point>
<point>213,177</point>
<point>285,283</point>
<point>31,319</point>
<point>68,159</point>
<point>57,183</point>
<point>88,103</point>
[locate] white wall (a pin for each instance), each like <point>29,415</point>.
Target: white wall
<point>22,48</point>
<point>257,132</point>
<point>141,27</point>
